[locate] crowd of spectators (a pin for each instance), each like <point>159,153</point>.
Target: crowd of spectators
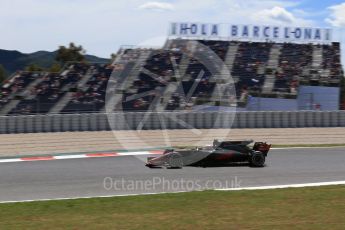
<point>294,58</point>
<point>160,71</point>
<point>16,85</point>
<point>219,47</point>
<point>48,92</point>
<point>92,96</point>
<point>162,62</point>
<point>157,72</point>
<point>331,60</point>
<point>249,58</point>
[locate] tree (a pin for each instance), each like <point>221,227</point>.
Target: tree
<point>71,54</point>
<point>55,68</point>
<point>33,68</point>
<point>2,74</point>
<point>112,57</point>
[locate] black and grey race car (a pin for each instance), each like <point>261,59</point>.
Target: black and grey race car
<point>220,153</point>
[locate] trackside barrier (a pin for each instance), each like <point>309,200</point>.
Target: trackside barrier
<point>169,120</point>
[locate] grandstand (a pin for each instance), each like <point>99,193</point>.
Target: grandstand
<point>263,70</point>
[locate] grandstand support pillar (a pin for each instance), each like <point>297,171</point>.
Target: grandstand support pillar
<point>273,64</point>
<point>9,107</point>
<point>231,55</point>
<point>58,107</point>
<point>317,56</point>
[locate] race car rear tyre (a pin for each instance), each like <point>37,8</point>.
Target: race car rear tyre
<point>175,161</point>
<point>257,159</point>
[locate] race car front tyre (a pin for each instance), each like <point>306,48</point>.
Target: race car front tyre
<point>257,159</point>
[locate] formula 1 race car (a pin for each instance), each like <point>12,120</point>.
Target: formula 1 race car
<point>220,153</point>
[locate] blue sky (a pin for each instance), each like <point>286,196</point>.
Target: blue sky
<point>318,9</point>
<point>102,26</point>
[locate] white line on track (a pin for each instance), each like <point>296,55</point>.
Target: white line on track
<point>330,147</point>
<point>10,160</point>
<point>133,153</point>
<point>226,189</point>
<point>79,156</point>
<point>69,157</point>
<point>285,186</point>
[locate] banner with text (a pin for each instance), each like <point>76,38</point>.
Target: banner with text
<point>250,32</point>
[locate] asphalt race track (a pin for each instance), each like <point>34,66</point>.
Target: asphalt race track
<point>128,175</point>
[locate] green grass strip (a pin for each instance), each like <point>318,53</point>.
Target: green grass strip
<point>295,208</point>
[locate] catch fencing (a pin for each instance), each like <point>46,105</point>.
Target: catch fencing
<point>169,120</point>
